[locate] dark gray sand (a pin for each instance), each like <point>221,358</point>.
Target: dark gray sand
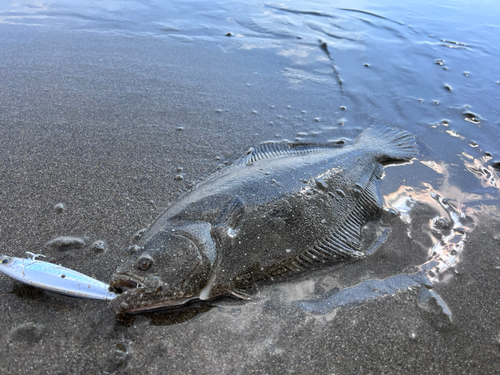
<point>108,115</point>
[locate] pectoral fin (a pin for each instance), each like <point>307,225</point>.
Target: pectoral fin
<point>231,214</point>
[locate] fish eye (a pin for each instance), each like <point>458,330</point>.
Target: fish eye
<point>5,260</point>
<point>143,263</point>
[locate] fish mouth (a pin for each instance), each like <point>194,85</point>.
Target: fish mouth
<point>137,295</point>
<point>123,283</point>
<point>146,307</point>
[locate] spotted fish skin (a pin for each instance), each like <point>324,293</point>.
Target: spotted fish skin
<point>282,207</point>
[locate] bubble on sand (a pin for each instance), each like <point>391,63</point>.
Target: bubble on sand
<point>472,117</point>
<point>179,177</point>
<point>66,243</point>
<point>448,87</point>
<point>117,357</point>
<point>439,62</point>
<point>60,207</point>
<point>99,246</point>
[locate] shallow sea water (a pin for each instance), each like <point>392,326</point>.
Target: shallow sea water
<point>110,110</point>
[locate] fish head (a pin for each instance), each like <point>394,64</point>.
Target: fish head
<point>172,267</point>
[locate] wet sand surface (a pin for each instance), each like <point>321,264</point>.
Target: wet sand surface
<point>108,113</point>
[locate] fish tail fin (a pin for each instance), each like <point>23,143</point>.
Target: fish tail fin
<point>388,144</point>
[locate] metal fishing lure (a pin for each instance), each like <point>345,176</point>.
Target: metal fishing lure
<point>54,278</point>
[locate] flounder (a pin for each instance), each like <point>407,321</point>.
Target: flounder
<point>282,207</point>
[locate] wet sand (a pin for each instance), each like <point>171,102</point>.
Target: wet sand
<point>105,122</point>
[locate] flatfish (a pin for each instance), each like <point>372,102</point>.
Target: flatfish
<point>281,208</point>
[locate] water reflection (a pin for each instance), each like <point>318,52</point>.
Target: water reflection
<point>486,175</point>
<point>438,224</point>
<point>449,236</point>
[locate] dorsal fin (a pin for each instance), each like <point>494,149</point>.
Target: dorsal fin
<point>264,151</point>
<point>271,149</point>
